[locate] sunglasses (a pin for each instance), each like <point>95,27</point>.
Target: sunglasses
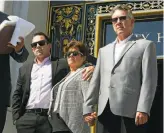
<point>73,53</point>
<point>122,18</point>
<point>41,43</point>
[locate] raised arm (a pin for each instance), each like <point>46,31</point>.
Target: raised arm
<point>19,53</point>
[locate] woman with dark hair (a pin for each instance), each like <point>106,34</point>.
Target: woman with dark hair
<point>68,95</point>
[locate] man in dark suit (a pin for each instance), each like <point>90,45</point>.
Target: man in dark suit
<point>31,98</point>
<point>19,54</point>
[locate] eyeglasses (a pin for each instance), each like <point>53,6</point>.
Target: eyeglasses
<point>41,43</point>
<point>73,53</point>
<point>122,18</point>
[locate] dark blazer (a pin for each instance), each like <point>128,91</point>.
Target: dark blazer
<point>5,79</point>
<point>21,94</point>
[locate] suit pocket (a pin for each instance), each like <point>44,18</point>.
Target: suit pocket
<point>19,120</point>
<point>129,90</point>
<point>132,57</point>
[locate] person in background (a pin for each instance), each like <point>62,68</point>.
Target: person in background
<point>31,99</point>
<point>19,54</point>
<point>125,78</point>
<point>67,96</point>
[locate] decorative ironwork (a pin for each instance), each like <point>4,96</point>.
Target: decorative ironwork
<point>134,6</point>
<point>106,7</point>
<point>66,21</point>
<point>90,27</point>
<point>66,25</point>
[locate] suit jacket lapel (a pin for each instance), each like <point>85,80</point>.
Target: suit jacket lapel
<point>28,76</point>
<point>129,44</point>
<point>54,71</point>
<point>110,58</point>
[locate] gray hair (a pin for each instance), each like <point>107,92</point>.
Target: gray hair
<point>123,8</point>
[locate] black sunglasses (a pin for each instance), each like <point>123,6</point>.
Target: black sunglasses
<point>41,43</point>
<point>122,18</point>
<point>73,53</point>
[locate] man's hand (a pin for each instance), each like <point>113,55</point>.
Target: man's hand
<point>19,45</point>
<point>90,118</point>
<point>141,118</point>
<point>87,73</point>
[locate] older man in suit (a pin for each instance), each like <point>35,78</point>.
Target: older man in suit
<point>19,54</point>
<point>124,80</point>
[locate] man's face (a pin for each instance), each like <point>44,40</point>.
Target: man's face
<point>122,24</point>
<point>40,47</point>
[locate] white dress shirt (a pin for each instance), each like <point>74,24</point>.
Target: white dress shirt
<point>119,47</point>
<point>40,87</point>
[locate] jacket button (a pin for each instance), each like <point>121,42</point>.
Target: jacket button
<point>111,87</point>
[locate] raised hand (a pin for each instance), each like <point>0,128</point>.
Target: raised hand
<point>19,45</point>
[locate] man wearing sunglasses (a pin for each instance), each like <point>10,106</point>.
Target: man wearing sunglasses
<point>31,98</point>
<point>124,80</point>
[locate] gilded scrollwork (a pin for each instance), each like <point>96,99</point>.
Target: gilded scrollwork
<point>105,8</point>
<point>66,25</point>
<point>141,5</point>
<point>73,22</point>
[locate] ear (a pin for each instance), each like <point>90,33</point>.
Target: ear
<point>33,50</point>
<point>50,45</point>
<point>132,21</point>
<point>84,58</point>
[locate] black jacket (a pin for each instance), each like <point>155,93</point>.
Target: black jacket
<point>22,92</point>
<point>5,79</point>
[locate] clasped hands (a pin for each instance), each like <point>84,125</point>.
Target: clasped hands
<point>90,118</point>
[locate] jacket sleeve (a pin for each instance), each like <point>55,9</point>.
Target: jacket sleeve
<point>92,95</point>
<point>20,57</point>
<point>149,79</point>
<point>17,98</point>
<point>83,86</point>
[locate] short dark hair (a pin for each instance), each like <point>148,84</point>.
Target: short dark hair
<point>42,34</point>
<point>76,44</point>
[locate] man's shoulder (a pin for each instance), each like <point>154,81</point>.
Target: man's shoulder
<point>140,40</point>
<point>144,42</point>
<point>27,64</point>
<point>61,62</point>
<point>107,46</point>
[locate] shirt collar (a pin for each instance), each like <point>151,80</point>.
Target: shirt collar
<point>43,62</point>
<point>123,41</point>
